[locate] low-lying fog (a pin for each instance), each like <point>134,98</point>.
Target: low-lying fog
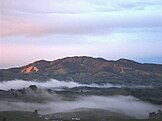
<point>52,83</point>
<point>19,84</point>
<point>128,105</point>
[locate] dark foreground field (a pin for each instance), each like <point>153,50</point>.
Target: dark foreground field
<point>78,115</point>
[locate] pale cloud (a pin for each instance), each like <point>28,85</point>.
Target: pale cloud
<point>117,48</point>
<point>49,29</point>
<point>15,26</point>
<point>94,23</point>
<point>42,17</point>
<point>75,6</point>
<point>19,54</point>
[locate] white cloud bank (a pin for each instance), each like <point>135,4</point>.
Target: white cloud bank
<point>19,84</point>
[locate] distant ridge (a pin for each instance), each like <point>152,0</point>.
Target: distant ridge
<point>85,69</point>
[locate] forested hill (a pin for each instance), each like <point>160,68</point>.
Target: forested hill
<point>87,70</point>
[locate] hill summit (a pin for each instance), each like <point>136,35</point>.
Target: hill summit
<point>87,70</point>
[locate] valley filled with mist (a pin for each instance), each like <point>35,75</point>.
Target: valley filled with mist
<point>65,100</point>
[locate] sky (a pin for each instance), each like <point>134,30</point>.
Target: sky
<point>31,30</point>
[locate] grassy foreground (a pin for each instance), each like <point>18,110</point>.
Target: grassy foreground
<point>67,116</point>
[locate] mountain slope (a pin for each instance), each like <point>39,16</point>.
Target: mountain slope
<point>87,70</point>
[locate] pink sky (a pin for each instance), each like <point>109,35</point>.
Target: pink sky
<point>51,29</point>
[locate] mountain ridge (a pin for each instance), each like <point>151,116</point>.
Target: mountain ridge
<point>86,70</point>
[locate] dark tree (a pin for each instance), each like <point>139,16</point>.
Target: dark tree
<point>36,112</point>
<point>4,119</point>
<point>33,87</point>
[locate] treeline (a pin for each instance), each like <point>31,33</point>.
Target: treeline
<point>157,114</point>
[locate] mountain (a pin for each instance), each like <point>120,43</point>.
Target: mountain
<point>87,70</point>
